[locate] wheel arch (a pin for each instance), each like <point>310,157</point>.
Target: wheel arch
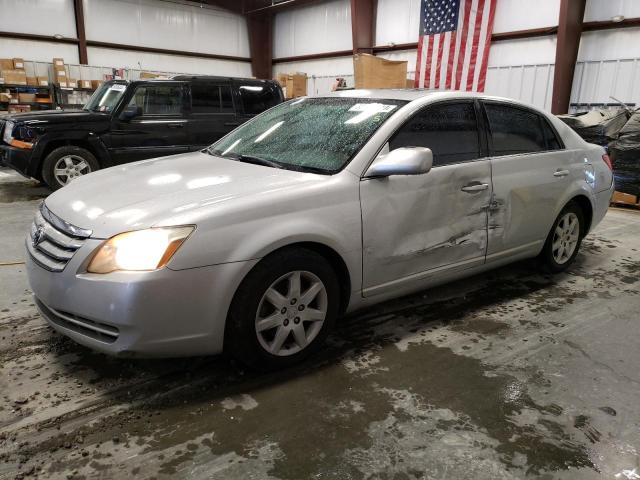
<point>587,209</point>
<point>91,143</point>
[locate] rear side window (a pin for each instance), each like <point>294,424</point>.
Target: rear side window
<point>258,98</point>
<point>514,130</point>
<point>550,136</point>
<point>158,99</point>
<point>449,130</point>
<point>206,98</point>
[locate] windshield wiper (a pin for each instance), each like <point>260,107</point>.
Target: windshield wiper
<point>255,160</point>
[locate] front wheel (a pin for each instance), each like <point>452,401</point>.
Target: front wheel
<point>283,310</point>
<point>65,164</point>
<point>563,242</point>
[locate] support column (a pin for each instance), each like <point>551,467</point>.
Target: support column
<point>567,45</point>
<point>363,25</point>
<point>260,26</point>
<point>82,37</point>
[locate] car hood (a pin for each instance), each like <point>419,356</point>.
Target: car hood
<point>179,188</point>
<point>53,117</point>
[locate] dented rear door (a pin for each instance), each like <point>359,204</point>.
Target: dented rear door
<point>414,225</point>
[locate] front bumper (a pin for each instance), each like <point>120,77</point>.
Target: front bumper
<point>161,313</point>
<point>17,158</point>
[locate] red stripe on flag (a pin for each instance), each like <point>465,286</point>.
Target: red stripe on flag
<point>452,50</point>
<point>463,42</point>
<point>474,46</point>
<point>487,46</point>
<point>416,81</point>
<point>427,65</point>
<point>439,64</point>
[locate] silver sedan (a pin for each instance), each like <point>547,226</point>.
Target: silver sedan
<point>317,207</point>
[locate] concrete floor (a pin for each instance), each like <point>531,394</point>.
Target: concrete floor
<point>505,375</point>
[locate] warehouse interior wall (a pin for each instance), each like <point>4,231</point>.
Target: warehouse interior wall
<point>174,25</point>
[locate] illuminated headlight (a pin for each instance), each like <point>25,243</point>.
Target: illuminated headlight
<point>8,130</point>
<point>139,250</point>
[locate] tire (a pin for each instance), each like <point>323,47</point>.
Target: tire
<point>562,245</point>
<point>286,314</point>
<point>75,161</point>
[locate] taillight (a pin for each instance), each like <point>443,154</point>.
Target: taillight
<point>607,160</point>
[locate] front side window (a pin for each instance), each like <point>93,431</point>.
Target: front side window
<point>450,130</point>
<point>258,98</point>
<point>158,99</point>
<point>106,97</point>
<point>309,134</point>
<point>207,98</point>
<point>514,130</point>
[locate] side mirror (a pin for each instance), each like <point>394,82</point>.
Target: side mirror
<point>402,161</point>
<point>130,112</point>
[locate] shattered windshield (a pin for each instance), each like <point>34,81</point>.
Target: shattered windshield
<point>106,97</point>
<point>310,134</point>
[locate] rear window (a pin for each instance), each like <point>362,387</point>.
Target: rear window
<point>207,98</point>
<point>257,98</point>
<point>514,130</point>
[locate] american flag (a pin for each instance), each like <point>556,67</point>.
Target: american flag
<point>454,44</point>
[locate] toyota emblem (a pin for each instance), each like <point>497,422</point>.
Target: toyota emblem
<point>38,236</point>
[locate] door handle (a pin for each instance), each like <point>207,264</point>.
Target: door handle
<point>476,187</point>
<point>561,173</point>
<point>175,125</point>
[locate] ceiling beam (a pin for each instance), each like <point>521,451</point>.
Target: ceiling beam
<point>260,27</point>
<point>363,25</point>
<point>567,45</point>
<point>82,37</point>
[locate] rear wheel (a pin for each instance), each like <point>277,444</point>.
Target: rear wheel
<point>563,242</point>
<point>283,310</point>
<point>65,164</point>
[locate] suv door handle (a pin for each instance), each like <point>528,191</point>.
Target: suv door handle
<point>475,187</point>
<point>175,125</point>
<point>561,173</point>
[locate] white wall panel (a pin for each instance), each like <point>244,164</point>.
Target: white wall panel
<point>397,21</point>
<point>528,83</point>
<point>610,44</point>
<point>171,25</point>
<point>599,10</point>
<point>598,81</point>
<point>41,17</point>
<point>318,28</point>
<point>166,63</point>
<point>525,14</point>
<point>38,51</point>
<point>529,51</point>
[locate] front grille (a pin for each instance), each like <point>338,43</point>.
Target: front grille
<point>96,330</point>
<point>52,242</point>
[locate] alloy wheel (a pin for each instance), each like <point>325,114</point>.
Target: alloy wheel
<point>565,238</point>
<point>70,167</point>
<point>291,313</point>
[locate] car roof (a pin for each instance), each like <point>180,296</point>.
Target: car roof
<point>411,94</point>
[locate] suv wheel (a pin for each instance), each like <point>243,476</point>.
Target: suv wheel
<point>564,239</point>
<point>283,310</point>
<point>65,164</point>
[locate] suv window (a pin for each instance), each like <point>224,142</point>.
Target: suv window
<point>257,98</point>
<point>450,130</point>
<point>514,130</point>
<point>158,99</point>
<point>207,98</point>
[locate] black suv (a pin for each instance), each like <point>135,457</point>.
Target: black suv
<point>128,121</point>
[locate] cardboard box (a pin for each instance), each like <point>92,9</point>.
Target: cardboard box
<point>14,77</point>
<point>26,97</point>
<point>5,97</point>
<point>96,83</point>
<point>43,81</point>
<point>19,108</point>
<point>45,99</point>
<point>624,198</point>
<point>72,83</point>
<point>6,64</point>
<point>62,83</point>
<point>293,84</point>
<point>18,64</point>
<point>375,72</point>
<point>84,84</point>
<point>32,81</point>
<point>58,62</point>
<point>59,72</point>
